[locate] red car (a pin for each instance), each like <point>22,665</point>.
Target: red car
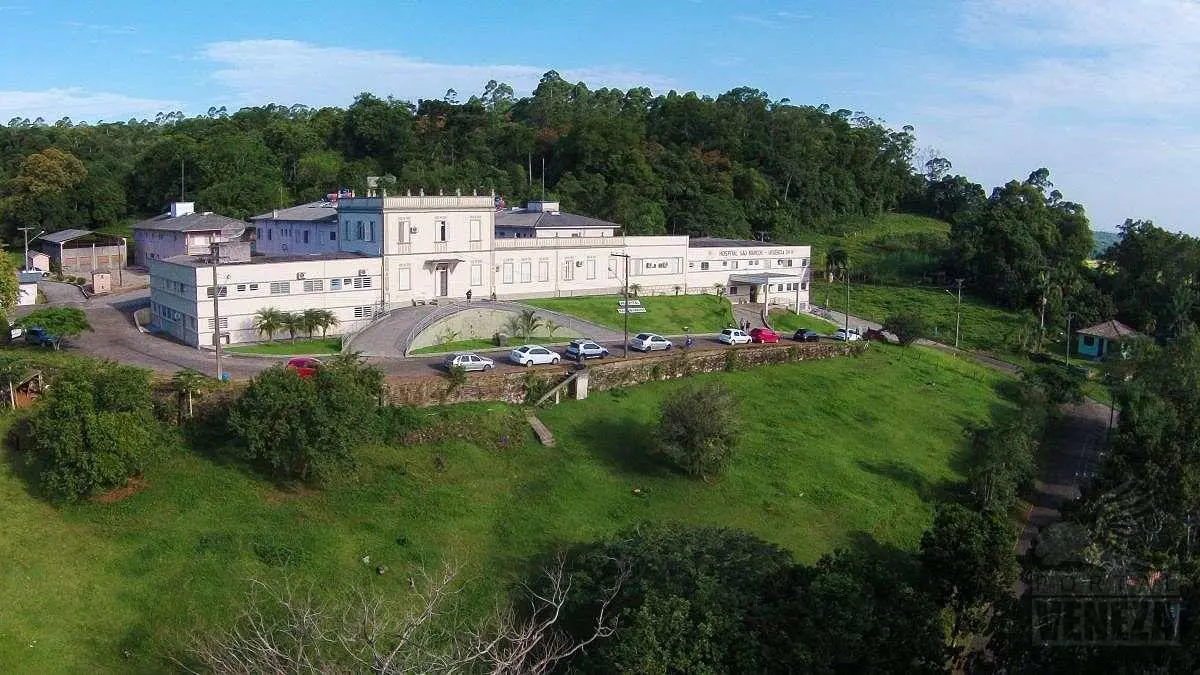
<point>304,366</point>
<point>764,336</point>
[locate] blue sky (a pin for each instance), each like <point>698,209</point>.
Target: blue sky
<point>1105,93</point>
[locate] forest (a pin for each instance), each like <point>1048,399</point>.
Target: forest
<point>733,165</point>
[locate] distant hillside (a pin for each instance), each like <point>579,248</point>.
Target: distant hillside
<point>1102,240</point>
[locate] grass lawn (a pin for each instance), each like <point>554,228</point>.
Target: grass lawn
<point>665,314</point>
<point>286,347</point>
<point>831,450</point>
<point>984,326</point>
<point>891,246</point>
<point>786,322</point>
<point>482,344</point>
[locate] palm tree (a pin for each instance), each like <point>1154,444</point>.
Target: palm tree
<point>525,324</point>
<point>292,322</point>
<point>268,321</point>
<point>310,320</point>
<point>634,289</point>
<point>551,327</point>
<point>326,319</point>
<point>837,259</point>
<point>191,384</point>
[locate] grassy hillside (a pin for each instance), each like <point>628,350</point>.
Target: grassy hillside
<point>665,314</point>
<point>860,449</point>
<point>890,247</point>
<point>984,326</point>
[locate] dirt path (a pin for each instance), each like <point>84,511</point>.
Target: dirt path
<point>1079,443</point>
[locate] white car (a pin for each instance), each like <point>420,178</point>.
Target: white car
<point>842,334</point>
<point>648,342</point>
<point>468,361</point>
<point>733,336</point>
<point>532,355</point>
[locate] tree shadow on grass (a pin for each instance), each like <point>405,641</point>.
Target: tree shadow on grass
<point>624,443</point>
<point>18,456</point>
<point>899,472</point>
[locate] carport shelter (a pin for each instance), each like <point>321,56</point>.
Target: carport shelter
<point>81,252</point>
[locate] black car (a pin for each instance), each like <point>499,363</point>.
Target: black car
<point>806,335</point>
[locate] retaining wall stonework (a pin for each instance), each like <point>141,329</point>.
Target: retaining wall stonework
<point>604,375</point>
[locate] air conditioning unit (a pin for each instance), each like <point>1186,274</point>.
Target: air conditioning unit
<point>299,276</point>
<point>412,230</point>
<point>362,273</point>
<point>579,263</point>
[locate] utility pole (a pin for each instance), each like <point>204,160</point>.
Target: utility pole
<point>1070,315</point>
<point>625,307</point>
<point>846,275</point>
<point>216,291</point>
<point>958,312</point>
<point>26,231</point>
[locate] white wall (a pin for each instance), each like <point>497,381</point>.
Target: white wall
<point>350,288</point>
<point>27,294</point>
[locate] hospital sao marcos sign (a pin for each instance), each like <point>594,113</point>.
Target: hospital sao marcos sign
<point>757,253</point>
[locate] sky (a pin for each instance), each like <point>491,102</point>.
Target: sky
<point>1104,93</point>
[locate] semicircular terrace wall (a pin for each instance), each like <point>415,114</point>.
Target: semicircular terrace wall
<point>474,324</point>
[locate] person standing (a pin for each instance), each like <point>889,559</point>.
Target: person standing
<point>468,295</point>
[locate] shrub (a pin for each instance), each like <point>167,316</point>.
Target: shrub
<point>907,326</point>
<point>1060,385</point>
<point>94,430</point>
<point>697,431</point>
<point>308,429</point>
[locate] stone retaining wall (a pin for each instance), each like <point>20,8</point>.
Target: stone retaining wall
<point>604,375</point>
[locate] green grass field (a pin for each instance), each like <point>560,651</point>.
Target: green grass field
<point>831,450</point>
<point>665,314</point>
<point>786,322</point>
<point>479,345</point>
<point>983,326</point>
<point>285,347</point>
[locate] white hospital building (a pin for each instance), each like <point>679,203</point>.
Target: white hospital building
<point>367,255</point>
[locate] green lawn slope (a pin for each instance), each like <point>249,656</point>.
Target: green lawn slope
<point>830,451</point>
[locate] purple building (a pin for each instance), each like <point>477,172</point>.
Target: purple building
<point>182,231</point>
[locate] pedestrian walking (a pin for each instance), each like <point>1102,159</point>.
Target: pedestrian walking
<point>468,295</point>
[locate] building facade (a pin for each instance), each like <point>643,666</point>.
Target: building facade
<point>381,253</point>
<point>299,230</point>
<point>182,231</point>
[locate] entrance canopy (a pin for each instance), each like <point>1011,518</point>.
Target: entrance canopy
<point>763,278</point>
<point>451,262</point>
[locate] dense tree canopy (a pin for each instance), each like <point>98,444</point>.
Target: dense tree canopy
<point>730,165</point>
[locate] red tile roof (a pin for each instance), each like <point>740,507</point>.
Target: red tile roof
<point>1111,329</point>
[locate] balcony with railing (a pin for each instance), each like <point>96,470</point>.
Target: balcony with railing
<point>441,246</point>
<point>403,247</point>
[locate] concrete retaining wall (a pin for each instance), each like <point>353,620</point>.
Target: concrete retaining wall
<point>473,324</point>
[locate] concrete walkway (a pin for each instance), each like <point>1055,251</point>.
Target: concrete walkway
<point>748,311</point>
<point>387,337</point>
<point>58,293</point>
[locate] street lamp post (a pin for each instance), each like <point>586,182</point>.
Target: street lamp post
<point>26,230</point>
<point>957,311</point>
<point>846,274</point>
<point>1070,315</point>
<point>625,344</point>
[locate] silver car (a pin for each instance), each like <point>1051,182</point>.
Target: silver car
<point>468,361</point>
<point>532,355</point>
<point>648,342</point>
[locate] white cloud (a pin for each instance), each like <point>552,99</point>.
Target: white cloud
<point>78,104</point>
<point>776,19</point>
<point>1105,93</point>
<point>288,71</point>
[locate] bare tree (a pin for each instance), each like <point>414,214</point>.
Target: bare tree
<point>285,630</point>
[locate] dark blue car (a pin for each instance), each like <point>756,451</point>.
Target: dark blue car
<point>35,335</point>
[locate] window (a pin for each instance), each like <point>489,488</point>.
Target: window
<point>591,268</point>
<point>333,235</point>
<point>241,288</point>
<point>544,270</point>
<point>224,291</point>
<point>347,232</point>
<point>783,263</point>
<point>270,233</point>
<point>362,282</point>
<point>569,270</point>
<point>254,287</point>
<point>1089,341</point>
<point>359,231</point>
<point>402,233</point>
<point>507,275</point>
<point>314,286</point>
<point>364,312</point>
<point>404,277</point>
<point>306,236</point>
<point>779,287</point>
<point>733,264</point>
<point>526,271</point>
<point>476,229</point>
<point>440,223</point>
<point>612,269</point>
<point>804,285</point>
<point>335,284</point>
<point>804,262</point>
<point>281,287</point>
<point>724,263</point>
<point>476,274</point>
<point>733,290</point>
<point>370,230</point>
<point>703,266</point>
<point>224,323</point>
